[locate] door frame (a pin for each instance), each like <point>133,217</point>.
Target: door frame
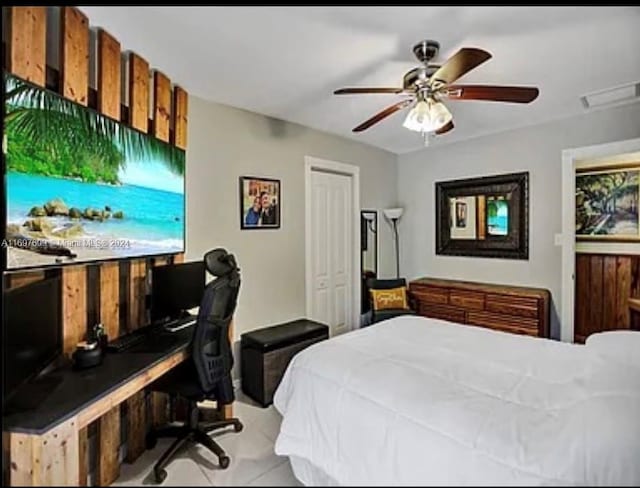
<point>312,163</point>
<point>570,159</point>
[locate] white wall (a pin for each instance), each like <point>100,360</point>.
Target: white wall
<point>535,149</point>
<point>225,143</point>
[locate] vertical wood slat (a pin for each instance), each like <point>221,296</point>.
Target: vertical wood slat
<point>27,45</point>
<point>74,306</point>
<point>109,75</point>
<point>623,287</point>
<point>136,425</point>
<point>161,106</point>
<point>595,294</point>
<point>609,301</point>
<point>582,284</point>
<point>74,84</point>
<point>110,299</point>
<point>83,452</point>
<point>137,294</point>
<point>159,400</point>
<point>138,119</point>
<point>108,466</point>
<point>74,54</point>
<point>138,93</point>
<point>50,459</point>
<point>180,111</point>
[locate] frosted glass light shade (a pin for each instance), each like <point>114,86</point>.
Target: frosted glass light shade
<point>393,213</point>
<point>427,116</point>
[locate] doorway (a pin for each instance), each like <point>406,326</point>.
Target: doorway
<point>332,244</point>
<point>572,159</point>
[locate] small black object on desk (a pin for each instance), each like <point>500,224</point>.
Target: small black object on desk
<point>266,353</point>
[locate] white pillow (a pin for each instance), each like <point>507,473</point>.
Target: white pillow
<point>619,345</point>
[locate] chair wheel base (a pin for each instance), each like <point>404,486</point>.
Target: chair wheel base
<point>237,427</point>
<point>224,462</point>
<point>160,475</point>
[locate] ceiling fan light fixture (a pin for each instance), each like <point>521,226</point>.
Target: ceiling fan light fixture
<point>427,116</point>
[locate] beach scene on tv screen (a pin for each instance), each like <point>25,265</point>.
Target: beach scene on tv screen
<point>83,187</point>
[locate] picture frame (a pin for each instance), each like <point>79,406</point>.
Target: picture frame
<point>607,201</point>
<point>260,201</point>
<point>483,217</point>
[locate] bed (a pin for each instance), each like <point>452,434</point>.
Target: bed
<point>418,401</point>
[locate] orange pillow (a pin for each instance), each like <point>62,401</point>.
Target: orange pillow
<point>393,298</point>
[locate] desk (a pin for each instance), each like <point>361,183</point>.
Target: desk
<point>43,442</point>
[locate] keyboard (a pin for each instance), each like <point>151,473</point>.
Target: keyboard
<point>179,324</point>
<point>126,342</point>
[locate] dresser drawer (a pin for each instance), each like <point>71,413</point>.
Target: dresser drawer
<point>512,305</point>
<point>431,294</point>
<point>442,312</point>
<point>468,300</point>
<point>504,323</point>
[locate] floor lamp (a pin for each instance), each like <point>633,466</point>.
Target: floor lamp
<point>394,214</point>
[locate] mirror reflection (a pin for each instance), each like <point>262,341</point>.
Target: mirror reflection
<point>369,253</point>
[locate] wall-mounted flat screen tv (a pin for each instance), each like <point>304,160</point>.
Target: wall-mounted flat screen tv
<point>80,186</point>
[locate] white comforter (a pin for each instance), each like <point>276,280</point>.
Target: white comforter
<point>415,401</point>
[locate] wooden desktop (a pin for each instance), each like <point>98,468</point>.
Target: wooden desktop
<point>43,445</point>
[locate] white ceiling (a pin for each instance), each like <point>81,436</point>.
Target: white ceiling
<point>285,62</point>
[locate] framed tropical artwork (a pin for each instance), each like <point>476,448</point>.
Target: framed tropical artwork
<point>607,203</point>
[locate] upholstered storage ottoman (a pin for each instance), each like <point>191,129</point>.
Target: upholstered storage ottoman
<point>265,355</point>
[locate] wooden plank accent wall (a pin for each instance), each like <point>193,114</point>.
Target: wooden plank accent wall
<point>118,297</point>
<point>180,109</point>
<point>604,284</point>
<point>27,46</point>
<point>138,93</point>
<point>74,54</point>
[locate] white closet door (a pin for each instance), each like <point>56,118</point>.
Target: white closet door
<point>331,236</point>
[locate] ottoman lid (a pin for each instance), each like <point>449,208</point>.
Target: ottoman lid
<point>281,335</point>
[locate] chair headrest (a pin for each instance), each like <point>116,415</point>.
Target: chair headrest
<point>219,262</point>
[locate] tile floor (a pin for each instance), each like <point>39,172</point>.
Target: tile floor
<point>253,461</point>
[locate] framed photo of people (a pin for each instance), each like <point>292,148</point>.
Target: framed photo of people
<point>484,217</point>
<point>260,201</point>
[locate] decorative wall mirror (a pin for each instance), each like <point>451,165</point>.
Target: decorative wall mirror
<point>369,252</point>
<point>485,217</point>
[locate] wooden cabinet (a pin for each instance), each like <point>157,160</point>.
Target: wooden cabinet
<point>512,309</point>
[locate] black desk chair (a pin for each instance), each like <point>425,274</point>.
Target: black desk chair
<point>380,315</point>
<point>208,374</point>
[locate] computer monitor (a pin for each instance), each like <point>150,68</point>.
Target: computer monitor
<point>176,288</point>
<point>32,332</point>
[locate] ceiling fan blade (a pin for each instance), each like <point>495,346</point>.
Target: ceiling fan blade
<point>513,94</point>
<point>381,115</point>
<point>460,63</point>
<point>445,128</point>
<point>360,91</point>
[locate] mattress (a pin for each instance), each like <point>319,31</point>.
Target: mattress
<point>416,401</point>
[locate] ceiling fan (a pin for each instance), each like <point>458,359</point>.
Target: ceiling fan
<point>425,86</point>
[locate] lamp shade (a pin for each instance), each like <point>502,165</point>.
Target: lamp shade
<point>368,216</point>
<point>393,213</point>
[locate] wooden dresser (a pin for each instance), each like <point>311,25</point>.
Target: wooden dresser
<point>507,308</point>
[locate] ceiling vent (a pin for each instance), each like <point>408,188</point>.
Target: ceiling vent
<point>612,96</point>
